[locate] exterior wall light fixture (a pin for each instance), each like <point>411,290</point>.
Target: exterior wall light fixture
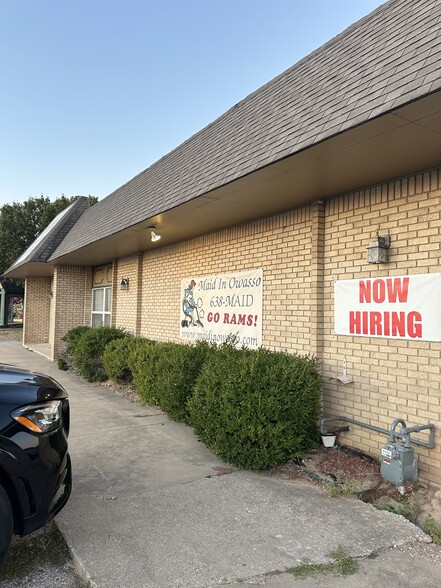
<point>124,284</point>
<point>377,250</point>
<point>154,235</point>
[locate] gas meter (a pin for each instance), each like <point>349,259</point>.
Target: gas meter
<point>398,461</point>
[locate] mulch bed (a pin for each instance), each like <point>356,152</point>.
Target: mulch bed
<point>339,465</point>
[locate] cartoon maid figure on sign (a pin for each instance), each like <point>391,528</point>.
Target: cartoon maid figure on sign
<point>191,308</point>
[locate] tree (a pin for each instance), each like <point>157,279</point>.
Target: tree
<point>21,223</point>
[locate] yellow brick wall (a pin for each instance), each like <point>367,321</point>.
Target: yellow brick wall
<point>37,308</point>
<point>71,293</point>
<point>392,378</point>
<point>113,274</point>
<point>52,315</point>
<point>87,311</point>
<point>280,245</point>
<point>125,302</point>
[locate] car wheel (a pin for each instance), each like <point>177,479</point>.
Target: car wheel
<point>6,523</point>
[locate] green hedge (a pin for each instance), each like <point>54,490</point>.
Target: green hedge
<point>142,363</point>
<point>165,374</point>
<point>253,408</point>
<point>89,349</point>
<point>116,359</point>
<point>71,338</point>
<point>256,409</point>
<point>177,369</point>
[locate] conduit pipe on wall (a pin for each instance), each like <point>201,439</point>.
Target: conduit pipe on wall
<point>403,433</point>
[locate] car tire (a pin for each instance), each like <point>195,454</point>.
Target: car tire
<point>6,523</point>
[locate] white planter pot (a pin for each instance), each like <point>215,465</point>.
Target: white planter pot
<point>329,440</point>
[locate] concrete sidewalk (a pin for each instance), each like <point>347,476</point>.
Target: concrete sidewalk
<point>152,507</point>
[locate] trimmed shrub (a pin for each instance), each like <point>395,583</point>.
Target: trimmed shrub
<point>116,359</point>
<point>71,339</point>
<point>142,364</point>
<point>89,350</point>
<point>177,369</point>
<point>62,362</point>
<point>256,408</point>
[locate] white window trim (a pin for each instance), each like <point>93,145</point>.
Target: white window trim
<point>102,313</point>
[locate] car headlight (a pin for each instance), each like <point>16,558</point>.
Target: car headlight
<point>39,418</point>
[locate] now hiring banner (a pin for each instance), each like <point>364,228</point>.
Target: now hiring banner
<point>395,307</point>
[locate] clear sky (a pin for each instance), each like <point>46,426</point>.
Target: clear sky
<point>94,91</point>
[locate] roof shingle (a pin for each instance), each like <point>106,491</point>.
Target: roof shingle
<point>46,243</point>
<point>387,59</point>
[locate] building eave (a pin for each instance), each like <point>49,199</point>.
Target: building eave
<point>393,145</point>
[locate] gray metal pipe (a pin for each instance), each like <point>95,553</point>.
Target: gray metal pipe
<point>406,431</point>
<point>403,433</point>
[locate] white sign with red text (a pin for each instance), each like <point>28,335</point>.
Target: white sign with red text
<point>214,308</point>
<point>395,307</point>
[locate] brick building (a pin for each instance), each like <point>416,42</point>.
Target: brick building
<point>293,182</point>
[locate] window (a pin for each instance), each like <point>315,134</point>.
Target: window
<point>101,305</point>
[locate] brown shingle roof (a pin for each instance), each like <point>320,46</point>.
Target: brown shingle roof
<point>46,243</point>
<point>387,59</point>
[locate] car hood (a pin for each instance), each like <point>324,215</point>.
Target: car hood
<point>19,386</point>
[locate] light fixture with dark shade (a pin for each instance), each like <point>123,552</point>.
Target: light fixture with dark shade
<point>124,284</point>
<point>377,250</point>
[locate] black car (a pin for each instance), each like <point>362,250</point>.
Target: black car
<point>35,470</point>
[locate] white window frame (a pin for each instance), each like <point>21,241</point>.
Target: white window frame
<point>104,316</point>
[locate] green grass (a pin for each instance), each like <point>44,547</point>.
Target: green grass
<point>404,510</point>
<point>344,486</point>
<point>342,564</point>
<point>432,528</point>
<point>405,506</point>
